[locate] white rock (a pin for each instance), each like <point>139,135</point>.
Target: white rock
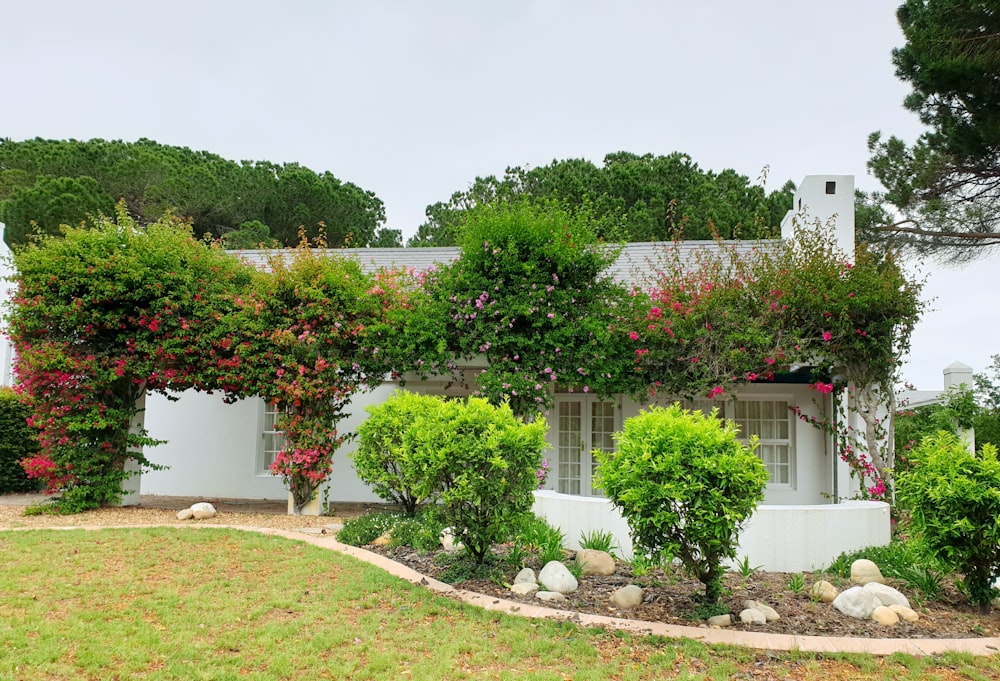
<point>185,514</point>
<point>856,602</point>
<point>885,616</point>
<point>556,577</point>
<point>770,613</point>
<point>628,597</point>
<point>202,510</point>
<point>823,591</point>
<point>594,562</point>
<point>550,596</point>
<point>864,571</point>
<point>887,595</point>
<point>720,621</point>
<point>524,588</point>
<point>905,613</point>
<point>525,576</point>
<point>448,542</point>
<point>752,616</point>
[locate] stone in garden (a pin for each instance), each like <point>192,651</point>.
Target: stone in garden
<point>906,614</point>
<point>185,514</point>
<point>203,510</point>
<point>382,539</point>
<point>720,621</point>
<point>752,616</point>
<point>594,562</point>
<point>627,597</point>
<point>823,591</point>
<point>856,602</point>
<point>550,596</point>
<point>556,577</point>
<point>884,616</point>
<point>865,571</point>
<point>770,613</point>
<point>525,576</point>
<point>524,588</point>
<point>448,542</point>
<point>887,595</point>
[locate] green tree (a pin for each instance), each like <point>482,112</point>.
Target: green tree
<point>946,186</point>
<point>215,194</point>
<point>49,203</point>
<point>629,198</point>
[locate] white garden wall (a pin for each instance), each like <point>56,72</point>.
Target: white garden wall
<point>779,538</point>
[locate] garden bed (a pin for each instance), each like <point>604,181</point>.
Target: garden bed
<point>672,598</point>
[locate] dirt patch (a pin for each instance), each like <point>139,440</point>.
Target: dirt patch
<point>672,598</point>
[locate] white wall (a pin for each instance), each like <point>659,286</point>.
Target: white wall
<point>812,202</point>
<point>779,538</point>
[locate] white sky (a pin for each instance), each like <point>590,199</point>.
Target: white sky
<point>413,100</point>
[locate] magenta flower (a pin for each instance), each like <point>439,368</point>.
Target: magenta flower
<point>827,336</point>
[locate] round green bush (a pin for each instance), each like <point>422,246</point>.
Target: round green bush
<point>685,484</point>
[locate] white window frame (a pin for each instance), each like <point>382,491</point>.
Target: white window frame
<point>587,462</point>
<point>727,410</point>
<point>265,454</point>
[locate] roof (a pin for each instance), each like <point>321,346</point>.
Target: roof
<point>635,265</point>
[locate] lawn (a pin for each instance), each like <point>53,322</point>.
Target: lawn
<point>166,603</point>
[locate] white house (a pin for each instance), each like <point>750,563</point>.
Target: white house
<point>217,450</point>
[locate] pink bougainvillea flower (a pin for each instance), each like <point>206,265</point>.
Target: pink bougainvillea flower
<point>827,336</point>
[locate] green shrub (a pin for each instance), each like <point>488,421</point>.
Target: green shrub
<point>16,442</point>
<point>385,445</point>
<point>954,501</point>
<point>481,461</point>
<point>685,485</point>
<point>367,528</point>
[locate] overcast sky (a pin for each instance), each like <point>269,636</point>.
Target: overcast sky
<point>413,100</point>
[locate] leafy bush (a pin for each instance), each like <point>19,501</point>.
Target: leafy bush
<point>385,446</point>
<point>481,460</point>
<point>685,485</point>
<point>953,497</point>
<point>16,443</point>
<point>367,528</point>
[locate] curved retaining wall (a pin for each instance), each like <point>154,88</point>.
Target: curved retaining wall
<point>793,538</point>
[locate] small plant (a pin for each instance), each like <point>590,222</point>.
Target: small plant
<point>924,580</point>
<point>421,532</point>
<point>367,528</point>
<point>745,569</point>
<point>536,535</point>
<point>598,540</point>
<point>796,583</point>
<point>642,564</point>
<point>516,555</point>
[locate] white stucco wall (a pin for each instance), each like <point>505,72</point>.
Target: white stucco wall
<point>781,538</point>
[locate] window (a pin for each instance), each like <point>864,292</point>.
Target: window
<point>272,440</point>
<point>770,420</point>
<point>583,424</point>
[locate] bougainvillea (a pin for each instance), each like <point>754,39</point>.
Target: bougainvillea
<point>531,295</point>
<point>733,316</point>
<point>100,317</point>
<point>301,341</point>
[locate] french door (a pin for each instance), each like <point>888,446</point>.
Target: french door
<point>583,424</point>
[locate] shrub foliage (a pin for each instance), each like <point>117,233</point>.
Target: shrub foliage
<point>16,444</point>
<point>953,496</point>
<point>685,485</point>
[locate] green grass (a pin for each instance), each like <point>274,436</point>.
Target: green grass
<point>222,604</point>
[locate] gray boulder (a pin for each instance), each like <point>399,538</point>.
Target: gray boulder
<point>857,602</point>
<point>556,577</point>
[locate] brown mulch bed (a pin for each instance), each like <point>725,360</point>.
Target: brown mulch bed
<point>672,598</point>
